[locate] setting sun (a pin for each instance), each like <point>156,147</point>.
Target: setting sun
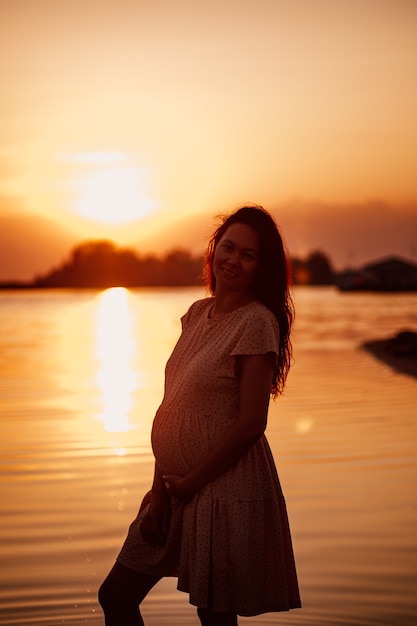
<point>126,123</point>
<point>113,194</point>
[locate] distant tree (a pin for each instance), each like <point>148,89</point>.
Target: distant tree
<point>320,269</point>
<point>102,264</point>
<point>316,269</point>
<point>300,274</point>
<point>181,268</point>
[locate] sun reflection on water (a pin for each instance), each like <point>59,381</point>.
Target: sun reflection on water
<point>116,377</point>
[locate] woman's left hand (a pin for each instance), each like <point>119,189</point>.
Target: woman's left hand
<point>178,487</point>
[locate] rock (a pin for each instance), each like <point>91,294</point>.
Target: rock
<point>399,351</point>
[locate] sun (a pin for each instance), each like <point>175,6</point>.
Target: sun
<point>113,194</point>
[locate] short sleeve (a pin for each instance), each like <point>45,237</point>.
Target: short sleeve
<point>259,335</point>
<point>193,311</point>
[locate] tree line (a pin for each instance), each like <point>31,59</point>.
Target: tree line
<point>101,264</point>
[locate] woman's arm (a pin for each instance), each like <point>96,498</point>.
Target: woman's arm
<point>155,524</point>
<point>255,386</point>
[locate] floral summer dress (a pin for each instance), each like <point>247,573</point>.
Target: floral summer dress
<point>230,546</point>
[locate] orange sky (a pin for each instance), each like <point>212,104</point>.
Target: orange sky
<point>121,108</point>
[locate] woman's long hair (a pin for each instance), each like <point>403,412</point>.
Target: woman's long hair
<point>272,282</point>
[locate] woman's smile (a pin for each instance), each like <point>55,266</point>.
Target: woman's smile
<point>229,272</point>
<point>236,258</point>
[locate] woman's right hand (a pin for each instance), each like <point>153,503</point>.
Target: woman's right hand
<point>155,523</point>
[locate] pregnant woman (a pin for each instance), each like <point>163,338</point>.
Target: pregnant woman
<point>216,516</point>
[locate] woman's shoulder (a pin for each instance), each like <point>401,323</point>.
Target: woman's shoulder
<point>255,318</point>
<point>198,308</point>
<point>201,305</point>
<point>256,310</point>
<point>258,319</point>
<point>256,330</point>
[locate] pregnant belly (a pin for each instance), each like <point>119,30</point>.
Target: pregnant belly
<point>180,440</point>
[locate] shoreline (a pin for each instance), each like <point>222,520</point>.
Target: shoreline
<point>398,351</point>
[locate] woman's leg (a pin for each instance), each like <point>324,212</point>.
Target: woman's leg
<point>211,618</point>
<point>121,593</point>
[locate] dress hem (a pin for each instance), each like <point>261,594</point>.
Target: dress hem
<point>242,612</point>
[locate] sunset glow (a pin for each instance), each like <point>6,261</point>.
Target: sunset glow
<point>113,194</point>
<point>151,116</point>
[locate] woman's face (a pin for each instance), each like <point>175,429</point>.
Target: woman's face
<point>236,259</point>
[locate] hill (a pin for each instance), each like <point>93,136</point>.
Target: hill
<point>30,245</point>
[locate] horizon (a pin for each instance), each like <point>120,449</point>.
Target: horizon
<point>194,252</point>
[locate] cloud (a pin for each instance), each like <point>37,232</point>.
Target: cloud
<point>351,234</point>
<point>29,244</point>
<point>94,158</point>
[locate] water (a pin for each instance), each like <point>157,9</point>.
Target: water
<point>81,375</point>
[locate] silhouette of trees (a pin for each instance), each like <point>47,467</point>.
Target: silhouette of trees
<point>316,269</point>
<point>102,264</point>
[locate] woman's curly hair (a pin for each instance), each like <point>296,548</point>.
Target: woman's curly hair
<point>272,282</point>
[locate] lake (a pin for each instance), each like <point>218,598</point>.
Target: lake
<point>81,376</point>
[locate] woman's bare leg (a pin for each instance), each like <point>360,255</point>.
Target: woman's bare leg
<point>121,593</point>
<point>212,618</point>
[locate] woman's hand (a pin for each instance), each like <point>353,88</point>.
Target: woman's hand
<point>256,375</point>
<point>179,487</point>
<point>155,524</point>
